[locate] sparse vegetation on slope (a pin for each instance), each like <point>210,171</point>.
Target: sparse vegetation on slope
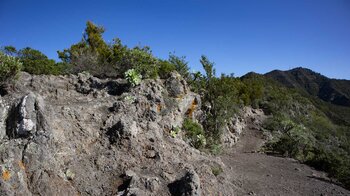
<point>103,59</point>
<point>330,90</point>
<point>35,62</point>
<point>299,129</point>
<point>301,125</point>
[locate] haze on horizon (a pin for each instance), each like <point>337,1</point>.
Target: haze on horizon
<point>239,36</point>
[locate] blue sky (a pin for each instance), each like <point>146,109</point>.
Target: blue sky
<point>239,36</point>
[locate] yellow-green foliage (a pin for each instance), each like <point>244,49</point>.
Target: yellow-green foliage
<point>133,77</point>
<point>194,133</point>
<point>216,170</point>
<point>9,68</point>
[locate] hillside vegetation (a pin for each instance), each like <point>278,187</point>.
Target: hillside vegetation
<point>330,90</point>
<point>301,125</point>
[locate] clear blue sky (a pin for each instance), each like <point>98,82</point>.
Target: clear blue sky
<point>239,36</point>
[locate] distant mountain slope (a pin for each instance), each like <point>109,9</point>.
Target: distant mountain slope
<point>330,90</point>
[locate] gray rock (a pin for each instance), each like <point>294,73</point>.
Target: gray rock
<point>25,118</point>
<point>176,85</point>
<point>3,112</point>
<point>77,135</point>
<point>238,123</point>
<point>188,185</point>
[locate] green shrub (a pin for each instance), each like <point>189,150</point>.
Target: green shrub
<point>133,77</point>
<point>301,129</point>
<point>103,59</point>
<point>333,161</point>
<point>296,142</point>
<point>165,68</point>
<point>194,133</point>
<point>215,149</point>
<point>174,132</point>
<point>142,60</point>
<point>35,62</point>
<point>221,95</point>
<point>64,68</point>
<point>9,68</point>
<point>216,170</point>
<point>81,58</point>
<point>251,90</point>
<point>197,82</point>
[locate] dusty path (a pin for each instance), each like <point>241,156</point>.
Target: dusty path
<point>259,174</point>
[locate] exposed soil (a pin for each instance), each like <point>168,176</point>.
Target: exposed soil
<point>255,173</point>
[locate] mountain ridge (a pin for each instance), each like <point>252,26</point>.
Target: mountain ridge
<point>335,91</point>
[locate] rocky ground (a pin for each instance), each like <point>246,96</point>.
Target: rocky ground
<point>256,173</point>
<point>79,135</point>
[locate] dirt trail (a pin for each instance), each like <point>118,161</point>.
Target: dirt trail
<point>260,174</point>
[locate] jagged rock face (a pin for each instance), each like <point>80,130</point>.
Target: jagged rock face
<point>79,135</point>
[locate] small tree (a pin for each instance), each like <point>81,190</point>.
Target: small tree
<point>181,65</point>
<point>220,96</point>
<point>208,67</point>
<point>91,54</point>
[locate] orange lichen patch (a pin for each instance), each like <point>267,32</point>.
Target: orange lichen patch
<point>159,107</point>
<point>180,96</point>
<point>193,106</point>
<point>21,165</point>
<point>6,175</point>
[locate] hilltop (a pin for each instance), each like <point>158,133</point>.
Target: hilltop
<point>334,91</point>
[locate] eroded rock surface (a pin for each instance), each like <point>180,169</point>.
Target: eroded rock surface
<point>80,135</point>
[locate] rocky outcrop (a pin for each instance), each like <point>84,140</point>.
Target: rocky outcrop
<point>189,184</point>
<point>80,135</point>
<point>25,118</point>
<point>247,117</point>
